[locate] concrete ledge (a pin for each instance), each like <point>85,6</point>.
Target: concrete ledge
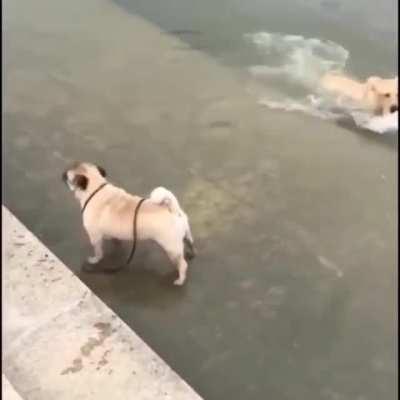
<point>7,391</point>
<point>62,342</point>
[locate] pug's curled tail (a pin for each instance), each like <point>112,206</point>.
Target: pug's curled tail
<point>166,198</point>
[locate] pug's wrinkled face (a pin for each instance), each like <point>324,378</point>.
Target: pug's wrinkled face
<point>83,177</point>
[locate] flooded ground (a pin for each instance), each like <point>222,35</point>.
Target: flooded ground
<point>366,28</point>
<point>293,293</point>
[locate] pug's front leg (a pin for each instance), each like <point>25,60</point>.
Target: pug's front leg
<point>97,243</point>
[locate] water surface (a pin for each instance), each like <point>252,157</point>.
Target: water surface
<point>293,294</point>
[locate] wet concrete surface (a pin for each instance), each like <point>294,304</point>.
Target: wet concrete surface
<point>293,293</point>
<point>61,341</point>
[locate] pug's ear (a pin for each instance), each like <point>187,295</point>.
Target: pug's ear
<point>81,182</point>
<point>102,171</point>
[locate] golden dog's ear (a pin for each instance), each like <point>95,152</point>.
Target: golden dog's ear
<point>371,82</point>
<point>81,182</point>
<point>102,171</point>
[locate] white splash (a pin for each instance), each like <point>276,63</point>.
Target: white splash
<point>297,58</point>
<point>306,106</point>
<point>380,124</point>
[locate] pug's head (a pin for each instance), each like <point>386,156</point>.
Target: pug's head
<point>83,178</point>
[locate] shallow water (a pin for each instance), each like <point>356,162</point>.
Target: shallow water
<point>288,45</point>
<point>367,29</point>
<point>293,294</point>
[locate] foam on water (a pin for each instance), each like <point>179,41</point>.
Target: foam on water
<point>384,124</point>
<point>297,58</point>
<point>301,61</point>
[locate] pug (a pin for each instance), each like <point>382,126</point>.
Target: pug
<point>108,213</point>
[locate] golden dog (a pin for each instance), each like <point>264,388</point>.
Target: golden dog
<point>377,95</point>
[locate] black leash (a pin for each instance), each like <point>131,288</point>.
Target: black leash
<point>92,195</point>
<point>134,218</point>
<point>135,230</point>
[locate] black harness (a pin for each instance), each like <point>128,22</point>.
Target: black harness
<point>135,216</point>
<point>92,195</point>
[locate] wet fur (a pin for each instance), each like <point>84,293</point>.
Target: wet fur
<point>377,95</point>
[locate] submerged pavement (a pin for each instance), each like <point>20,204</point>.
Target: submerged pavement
<point>293,293</point>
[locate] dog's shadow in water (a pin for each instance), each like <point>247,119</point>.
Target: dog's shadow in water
<point>147,280</point>
<point>386,139</point>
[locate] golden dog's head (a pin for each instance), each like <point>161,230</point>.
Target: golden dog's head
<point>383,93</point>
<point>82,178</point>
